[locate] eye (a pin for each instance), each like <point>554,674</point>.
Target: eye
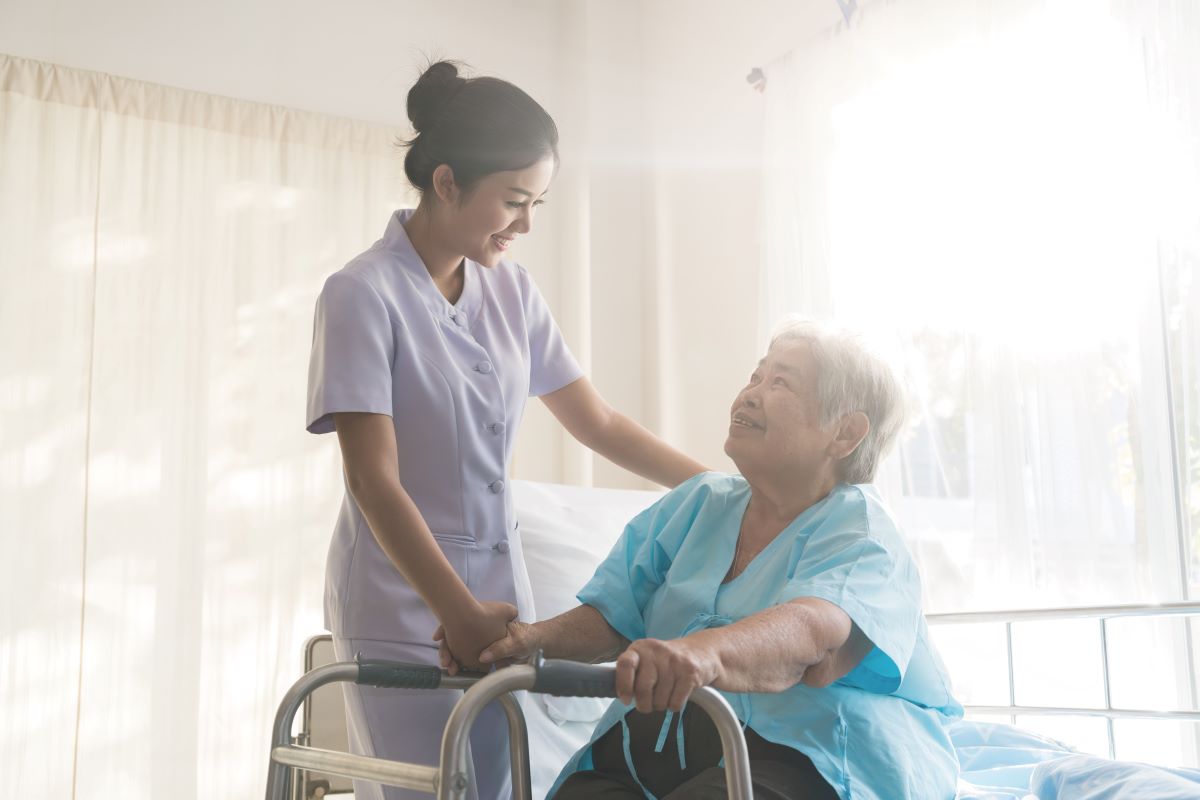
<point>515,203</point>
<point>539,203</point>
<point>779,382</point>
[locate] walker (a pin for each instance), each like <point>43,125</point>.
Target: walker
<point>451,778</point>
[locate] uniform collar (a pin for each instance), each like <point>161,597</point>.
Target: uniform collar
<point>395,240</point>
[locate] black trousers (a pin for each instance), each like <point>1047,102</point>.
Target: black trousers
<point>776,772</point>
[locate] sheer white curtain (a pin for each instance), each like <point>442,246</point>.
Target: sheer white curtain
<point>1005,195</point>
<point>163,517</point>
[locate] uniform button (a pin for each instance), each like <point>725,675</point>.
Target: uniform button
<point>451,313</point>
<point>502,547</point>
<point>496,486</point>
<point>484,367</point>
<point>496,428</point>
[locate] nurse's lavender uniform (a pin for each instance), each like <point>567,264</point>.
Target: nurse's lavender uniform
<point>454,378</point>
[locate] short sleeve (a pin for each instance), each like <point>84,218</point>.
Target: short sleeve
<point>551,364</point>
<point>636,567</point>
<point>350,368</point>
<point>625,581</point>
<point>876,586</point>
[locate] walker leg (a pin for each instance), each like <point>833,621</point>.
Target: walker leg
<point>453,773</point>
<point>518,748</point>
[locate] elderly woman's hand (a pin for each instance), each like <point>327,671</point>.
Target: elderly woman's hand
<point>517,646</point>
<point>461,641</point>
<point>658,675</point>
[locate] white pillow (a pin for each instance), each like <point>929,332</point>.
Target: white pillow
<point>566,531</point>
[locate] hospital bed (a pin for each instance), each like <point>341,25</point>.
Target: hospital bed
<point>566,531</point>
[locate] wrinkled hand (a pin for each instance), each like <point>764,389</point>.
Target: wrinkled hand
<point>461,641</point>
<point>657,674</point>
<point>518,646</point>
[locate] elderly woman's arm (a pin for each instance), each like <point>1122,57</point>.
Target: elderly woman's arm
<point>806,641</point>
<point>581,634</point>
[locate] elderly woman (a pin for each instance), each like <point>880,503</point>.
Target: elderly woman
<point>787,587</point>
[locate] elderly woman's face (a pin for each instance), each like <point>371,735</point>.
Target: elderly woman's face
<point>775,421</point>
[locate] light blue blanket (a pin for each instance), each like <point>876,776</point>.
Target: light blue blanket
<point>1083,777</point>
<point>1000,762</point>
<point>996,762</point>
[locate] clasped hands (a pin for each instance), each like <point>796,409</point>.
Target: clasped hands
<point>653,674</point>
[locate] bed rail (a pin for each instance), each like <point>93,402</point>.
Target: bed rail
<point>1102,614</point>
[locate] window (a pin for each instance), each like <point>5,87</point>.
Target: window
<point>1006,196</point>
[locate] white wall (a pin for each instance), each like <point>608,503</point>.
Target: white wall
<point>706,123</point>
<point>649,251</point>
<point>672,144</point>
<point>662,142</point>
<point>354,58</point>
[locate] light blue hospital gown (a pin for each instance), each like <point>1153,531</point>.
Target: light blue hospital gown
<point>876,733</point>
<point>454,379</point>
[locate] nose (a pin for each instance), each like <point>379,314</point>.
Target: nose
<point>524,222</point>
<point>747,398</point>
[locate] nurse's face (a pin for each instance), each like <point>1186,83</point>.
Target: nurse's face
<point>498,210</point>
<point>775,421</point>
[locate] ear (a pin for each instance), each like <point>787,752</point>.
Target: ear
<point>444,185</point>
<point>851,430</point>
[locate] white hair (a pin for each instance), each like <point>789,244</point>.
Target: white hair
<point>851,377</point>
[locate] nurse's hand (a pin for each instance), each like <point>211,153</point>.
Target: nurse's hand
<point>445,659</point>
<point>462,639</point>
<point>657,674</point>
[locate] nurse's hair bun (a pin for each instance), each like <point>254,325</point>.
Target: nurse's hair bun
<point>431,92</point>
<point>476,126</point>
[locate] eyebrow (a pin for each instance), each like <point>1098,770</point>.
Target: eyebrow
<point>523,191</point>
<point>788,368</point>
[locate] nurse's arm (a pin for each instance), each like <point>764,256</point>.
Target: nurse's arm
<point>807,640</point>
<point>368,443</point>
<point>597,425</point>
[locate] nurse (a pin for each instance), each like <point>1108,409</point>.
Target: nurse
<point>425,348</point>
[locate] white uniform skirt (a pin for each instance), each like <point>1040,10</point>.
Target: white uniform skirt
<point>407,724</point>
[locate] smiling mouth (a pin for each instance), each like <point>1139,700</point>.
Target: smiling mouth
<point>740,421</point>
<point>501,242</point>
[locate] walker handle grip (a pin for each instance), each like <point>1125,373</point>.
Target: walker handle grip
<point>397,675</point>
<point>572,678</point>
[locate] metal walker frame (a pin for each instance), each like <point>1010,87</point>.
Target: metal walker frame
<point>451,778</point>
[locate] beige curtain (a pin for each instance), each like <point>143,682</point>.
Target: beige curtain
<point>163,517</point>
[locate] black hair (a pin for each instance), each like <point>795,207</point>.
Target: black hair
<point>476,126</point>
